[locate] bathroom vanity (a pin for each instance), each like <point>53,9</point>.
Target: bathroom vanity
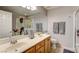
<point>40,47</point>
<point>39,44</point>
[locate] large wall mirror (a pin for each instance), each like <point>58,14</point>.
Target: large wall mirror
<point>23,22</point>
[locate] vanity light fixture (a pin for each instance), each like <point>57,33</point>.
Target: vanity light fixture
<point>23,6</point>
<point>28,7</point>
<point>32,8</point>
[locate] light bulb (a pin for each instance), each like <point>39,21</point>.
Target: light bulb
<point>28,7</point>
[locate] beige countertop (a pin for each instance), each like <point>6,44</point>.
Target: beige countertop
<point>23,43</point>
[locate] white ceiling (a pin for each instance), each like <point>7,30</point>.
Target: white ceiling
<point>19,10</point>
<point>23,11</point>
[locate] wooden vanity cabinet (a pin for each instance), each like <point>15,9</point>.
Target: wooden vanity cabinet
<point>40,50</point>
<point>47,45</point>
<point>41,47</point>
<point>30,50</point>
<point>40,44</point>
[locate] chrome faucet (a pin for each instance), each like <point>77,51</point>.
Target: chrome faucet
<point>12,40</point>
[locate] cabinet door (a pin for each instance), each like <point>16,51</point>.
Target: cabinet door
<point>40,50</point>
<point>47,45</point>
<point>39,45</point>
<point>31,50</point>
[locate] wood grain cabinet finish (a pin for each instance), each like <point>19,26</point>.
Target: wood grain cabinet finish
<point>41,47</point>
<point>47,45</point>
<point>40,50</point>
<point>31,50</point>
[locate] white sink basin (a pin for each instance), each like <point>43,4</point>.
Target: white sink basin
<point>15,47</point>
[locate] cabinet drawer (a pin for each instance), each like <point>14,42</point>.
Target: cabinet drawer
<point>39,45</point>
<point>40,50</point>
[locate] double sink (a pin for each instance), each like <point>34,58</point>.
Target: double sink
<point>23,43</point>
<point>8,47</point>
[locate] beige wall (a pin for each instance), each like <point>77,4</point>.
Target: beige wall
<point>64,14</point>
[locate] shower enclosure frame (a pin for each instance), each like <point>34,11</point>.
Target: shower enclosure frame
<point>75,29</point>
